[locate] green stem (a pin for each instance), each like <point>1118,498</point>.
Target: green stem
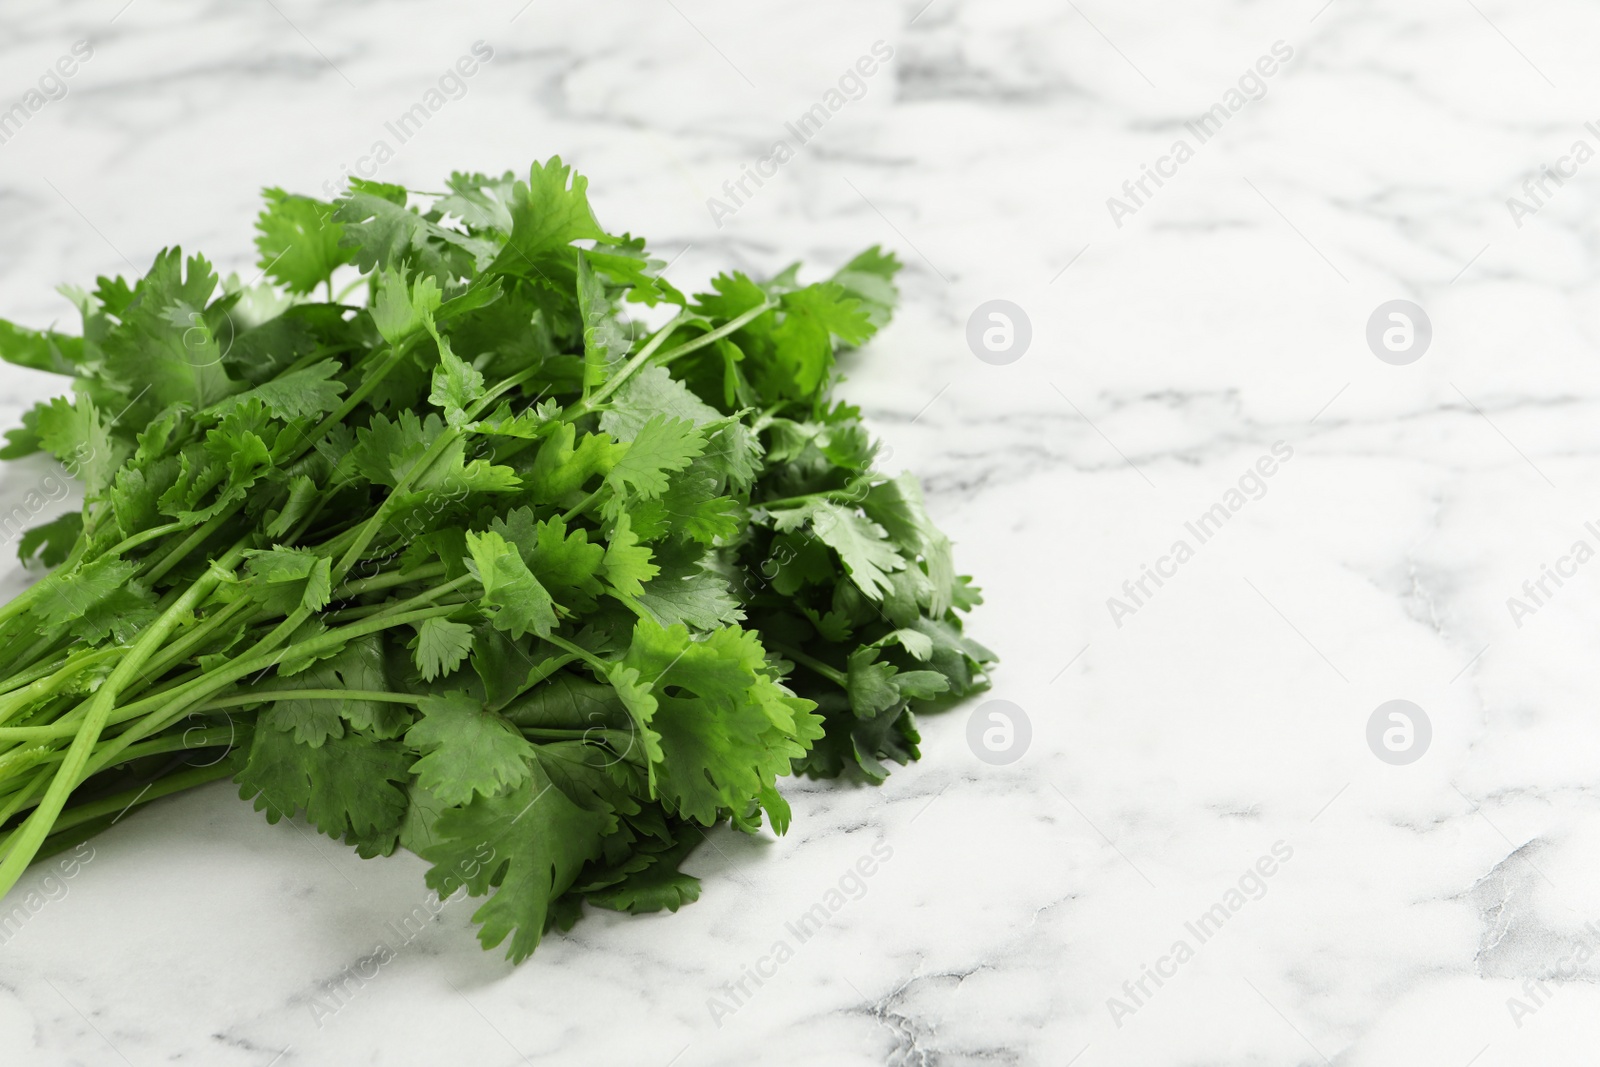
<point>179,650</point>
<point>369,530</point>
<point>588,657</point>
<point>836,676</point>
<point>33,832</point>
<point>374,610</point>
<point>38,733</point>
<point>640,357</point>
<point>544,670</point>
<point>196,738</point>
<point>23,601</point>
<point>158,712</point>
<point>189,544</point>
<point>585,504</point>
<point>373,526</point>
<point>122,802</point>
<point>244,700</point>
<point>841,496</point>
<point>21,797</point>
<point>388,581</point>
<point>368,383</point>
<point>14,701</point>
<point>423,599</point>
<point>152,534</point>
<point>633,365</point>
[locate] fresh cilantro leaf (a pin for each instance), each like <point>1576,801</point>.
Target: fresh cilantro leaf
<point>527,846</point>
<point>403,308</point>
<point>441,647</point>
<point>349,786</point>
<point>724,729</point>
<point>869,278</point>
<point>548,212</point>
<point>43,350</point>
<point>512,596</point>
<point>167,350</point>
<point>660,885</point>
<point>627,563</point>
<point>456,385</point>
<point>299,241</point>
<point>468,750</point>
<point>663,445</point>
<point>565,464</point>
<point>298,394</point>
<point>862,544</point>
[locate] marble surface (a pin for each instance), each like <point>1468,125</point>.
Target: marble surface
<point>1199,859</point>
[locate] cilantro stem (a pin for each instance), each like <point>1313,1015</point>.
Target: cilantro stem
<point>19,698</point>
<point>208,737</point>
<point>37,733</point>
<point>23,601</point>
<point>588,657</point>
<point>190,543</point>
<point>419,600</point>
<point>179,650</point>
<point>501,389</point>
<point>389,581</point>
<point>40,649</point>
<point>20,800</point>
<point>242,700</point>
<point>70,773</point>
<point>836,676</point>
<point>143,537</point>
<point>369,530</point>
<point>268,696</point>
<point>644,355</point>
<point>640,357</point>
<point>586,503</point>
<point>121,802</point>
<point>158,712</point>
<point>374,610</point>
<point>369,383</point>
<point>839,496</point>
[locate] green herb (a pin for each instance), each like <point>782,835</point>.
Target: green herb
<point>478,565</point>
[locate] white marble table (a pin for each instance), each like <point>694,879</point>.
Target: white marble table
<point>1199,859</point>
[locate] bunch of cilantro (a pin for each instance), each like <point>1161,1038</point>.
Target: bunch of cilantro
<point>464,559</point>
